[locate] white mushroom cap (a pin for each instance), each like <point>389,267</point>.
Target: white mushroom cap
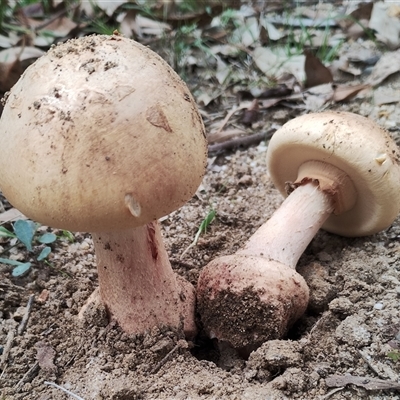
<point>100,134</point>
<point>355,145</point>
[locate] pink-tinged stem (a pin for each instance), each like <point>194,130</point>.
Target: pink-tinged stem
<point>137,284</point>
<point>285,236</point>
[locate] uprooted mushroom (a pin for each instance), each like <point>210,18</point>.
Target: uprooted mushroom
<point>100,135</point>
<point>341,172</point>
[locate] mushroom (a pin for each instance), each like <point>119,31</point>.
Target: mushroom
<point>100,135</point>
<point>342,172</point>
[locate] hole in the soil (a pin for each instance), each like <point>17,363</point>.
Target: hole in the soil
<point>299,329</point>
<point>205,349</point>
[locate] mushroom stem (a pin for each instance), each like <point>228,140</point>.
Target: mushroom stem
<point>256,294</point>
<point>285,236</point>
<point>137,284</point>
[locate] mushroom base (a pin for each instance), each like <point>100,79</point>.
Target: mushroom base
<point>137,284</point>
<point>246,300</point>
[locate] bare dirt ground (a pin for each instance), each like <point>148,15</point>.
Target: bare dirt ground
<point>344,347</point>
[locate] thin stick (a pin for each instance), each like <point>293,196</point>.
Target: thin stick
<point>242,141</point>
<point>64,390</point>
<point>229,115</point>
<point>7,347</point>
<point>332,392</point>
<point>26,316</point>
<point>368,362</point>
<point>180,345</point>
<point>28,376</point>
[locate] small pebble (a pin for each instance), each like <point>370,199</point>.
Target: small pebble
<point>378,306</point>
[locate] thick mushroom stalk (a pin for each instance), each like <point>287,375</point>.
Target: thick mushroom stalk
<point>100,135</point>
<point>137,284</point>
<point>256,295</point>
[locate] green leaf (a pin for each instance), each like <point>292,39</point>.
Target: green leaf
<point>21,269</point>
<point>47,238</point>
<point>25,230</point>
<point>10,262</point>
<point>68,235</point>
<point>44,253</point>
<point>6,233</point>
<point>394,355</point>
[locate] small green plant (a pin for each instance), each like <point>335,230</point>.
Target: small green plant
<point>209,218</point>
<point>394,355</point>
<point>301,38</point>
<point>25,232</point>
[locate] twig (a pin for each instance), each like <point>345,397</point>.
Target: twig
<point>26,316</point>
<point>331,393</point>
<point>3,372</point>
<point>7,347</point>
<point>28,376</point>
<point>242,141</point>
<point>64,390</point>
<point>229,115</point>
<point>180,345</point>
<point>365,358</point>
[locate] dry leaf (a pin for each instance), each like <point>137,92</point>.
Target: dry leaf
<point>316,72</point>
<point>60,27</point>
<point>277,63</point>
<point>108,7</point>
<point>223,71</point>
<point>386,22</point>
<point>251,114</point>
<point>274,34</point>
<point>388,64</point>
<point>345,92</point>
<point>264,104</point>
<point>151,27</point>
<point>20,53</point>
<point>248,33</point>
<point>316,97</point>
<point>386,96</point>
<point>357,21</point>
<point>11,215</point>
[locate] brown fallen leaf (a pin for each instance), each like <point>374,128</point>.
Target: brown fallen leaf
<point>345,92</point>
<point>365,382</point>
<point>356,23</point>
<point>251,114</point>
<point>316,72</point>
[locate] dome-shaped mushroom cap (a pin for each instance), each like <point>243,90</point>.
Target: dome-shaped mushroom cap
<point>100,134</point>
<point>357,146</point>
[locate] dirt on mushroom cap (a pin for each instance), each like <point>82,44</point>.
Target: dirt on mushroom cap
<point>95,120</point>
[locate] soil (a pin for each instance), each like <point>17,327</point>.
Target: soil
<point>352,325</point>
